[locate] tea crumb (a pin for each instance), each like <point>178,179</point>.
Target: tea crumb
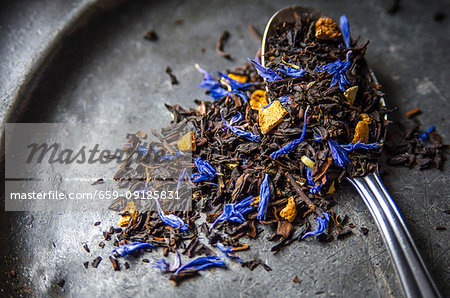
<point>412,113</point>
<point>364,231</point>
<point>173,78</point>
<point>96,261</point>
<point>151,35</point>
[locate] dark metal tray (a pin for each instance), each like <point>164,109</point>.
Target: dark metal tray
<point>99,69</point>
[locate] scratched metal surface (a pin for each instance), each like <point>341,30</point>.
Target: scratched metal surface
<point>79,61</point>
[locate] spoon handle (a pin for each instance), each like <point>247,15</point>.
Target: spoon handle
<point>414,277</point>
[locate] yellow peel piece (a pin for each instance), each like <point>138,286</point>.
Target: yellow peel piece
<point>310,84</point>
<point>255,201</point>
<point>258,99</point>
<point>237,77</point>
<point>187,142</point>
<point>350,93</point>
<point>307,161</point>
<point>124,219</point>
<point>362,129</point>
<point>332,189</point>
<point>290,211</point>
<point>271,116</point>
<point>326,28</point>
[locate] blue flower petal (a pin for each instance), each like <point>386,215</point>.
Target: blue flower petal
<point>284,99</point>
<point>213,86</point>
<point>309,176</point>
<point>205,170</point>
<point>264,196</point>
<point>165,266</point>
<point>340,156</point>
<point>228,252</point>
<point>181,177</point>
<point>292,72</point>
<point>337,69</point>
<point>235,211</point>
<point>291,145</point>
<point>265,72</point>
<point>126,249</point>
<point>424,135</point>
<point>235,84</point>
<point>359,145</point>
<point>162,264</point>
<point>322,225</point>
<point>171,219</point>
<point>201,263</point>
<point>345,29</point>
<point>315,188</point>
<point>245,134</point>
<point>236,118</point>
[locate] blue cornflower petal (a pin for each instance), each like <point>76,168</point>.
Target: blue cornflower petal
<point>291,145</point>
<point>424,135</point>
<point>235,84</point>
<point>337,69</point>
<point>309,176</point>
<point>245,134</point>
<point>141,149</point>
<point>236,118</point>
<point>315,188</point>
<point>218,93</point>
<point>201,263</point>
<point>235,211</point>
<point>264,196</point>
<point>292,72</point>
<point>164,265</point>
<point>265,72</point>
<point>205,170</point>
<point>213,86</point>
<point>181,177</point>
<point>171,219</point>
<point>126,249</point>
<point>339,155</point>
<point>345,29</point>
<point>166,157</point>
<point>323,223</point>
<point>228,252</point>
<point>359,145</point>
<point>284,99</point>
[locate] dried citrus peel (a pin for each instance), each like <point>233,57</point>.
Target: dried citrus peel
<point>362,129</point>
<point>290,211</point>
<point>258,99</point>
<point>271,116</point>
<point>326,28</point>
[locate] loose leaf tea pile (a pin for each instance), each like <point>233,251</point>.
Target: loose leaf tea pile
<point>270,149</point>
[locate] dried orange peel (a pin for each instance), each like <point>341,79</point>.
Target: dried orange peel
<point>128,212</point>
<point>362,129</point>
<point>258,99</point>
<point>290,211</point>
<point>271,116</point>
<point>326,28</point>
<point>187,142</point>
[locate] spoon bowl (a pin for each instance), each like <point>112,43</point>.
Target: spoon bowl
<point>413,275</point>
